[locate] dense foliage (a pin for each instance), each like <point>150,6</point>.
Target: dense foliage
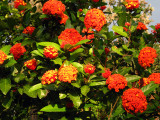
<point>62,61</point>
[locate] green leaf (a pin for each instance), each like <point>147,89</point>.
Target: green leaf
<point>5,85</point>
<point>124,70</point>
<point>142,43</point>
<point>119,110</point>
<point>68,24</point>
<point>132,78</point>
<point>62,95</point>
<point>42,93</point>
<point>73,17</point>
<point>85,89</point>
<point>17,38</point>
<point>43,16</point>
<point>35,87</point>
<point>53,108</point>
<point>30,94</point>
<point>97,83</point>
<point>76,85</point>
<point>19,77</point>
<point>6,49</point>
<point>82,42</point>
<point>117,50</point>
<point>6,102</point>
<point>119,30</point>
<point>36,52</point>
<point>27,41</point>
<point>50,44</point>
<point>149,88</point>
<point>26,18</point>
<point>20,90</point>
<point>75,99</point>
<point>78,66</point>
<point>11,63</point>
<point>58,61</point>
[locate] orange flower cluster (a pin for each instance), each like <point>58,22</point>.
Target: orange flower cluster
<point>146,57</point>
<point>50,52</point>
<point>57,8</point>
<point>31,64</point>
<point>29,30</point>
<point>95,19</point>
<point>49,77</point>
<point>3,57</point>
<point>132,4</point>
<point>116,81</point>
<point>155,77</point>
<point>19,2</point>
<point>141,26</point>
<point>134,101</point>
<point>89,68</point>
<point>144,82</point>
<point>67,73</point>
<point>127,24</point>
<point>107,73</point>
<point>17,50</point>
<point>89,34</point>
<point>70,36</point>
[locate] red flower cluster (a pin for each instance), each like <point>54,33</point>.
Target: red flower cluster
<point>50,52</point>
<point>17,50</point>
<point>3,57</point>
<point>67,73</point>
<point>144,82</point>
<point>89,68</point>
<point>29,30</point>
<point>95,0</point>
<point>57,8</point>
<point>134,101</point>
<point>116,81</point>
<point>19,2</point>
<point>70,36</point>
<point>31,64</point>
<point>141,26</point>
<point>107,73</point>
<point>95,19</point>
<point>103,7</point>
<point>146,57</point>
<point>127,24</point>
<point>157,27</point>
<point>107,51</point>
<point>80,10</point>
<point>132,4</point>
<point>155,77</point>
<point>89,34</point>
<point>49,77</point>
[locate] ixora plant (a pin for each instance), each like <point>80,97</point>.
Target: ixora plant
<point>62,61</point>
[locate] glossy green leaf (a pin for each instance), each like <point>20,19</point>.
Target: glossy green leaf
<point>5,85</point>
<point>117,50</point>
<point>20,90</point>
<point>119,30</point>
<point>37,53</point>
<point>6,49</point>
<point>97,83</point>
<point>85,89</point>
<point>132,78</point>
<point>62,95</point>
<point>124,70</point>
<point>26,18</point>
<point>75,99</point>
<point>10,63</point>
<point>119,110</point>
<point>30,94</point>
<point>82,42</point>
<point>53,108</point>
<point>35,87</point>
<point>50,44</point>
<point>149,88</point>
<point>58,61</point>
<point>6,102</point>
<point>42,93</point>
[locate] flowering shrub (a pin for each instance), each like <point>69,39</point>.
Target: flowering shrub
<point>17,50</point>
<point>95,19</point>
<point>29,30</point>
<point>132,4</point>
<point>89,68</point>
<point>31,64</point>
<point>3,57</point>
<point>107,73</point>
<point>116,81</point>
<point>155,77</point>
<point>49,77</point>
<point>141,26</point>
<point>50,52</point>
<point>19,2</point>
<point>146,57</point>
<point>134,101</point>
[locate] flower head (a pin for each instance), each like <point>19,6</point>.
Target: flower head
<point>53,7</point>
<point>155,77</point>
<point>49,77</point>
<point>103,7</point>
<point>70,36</point>
<point>50,52</point>
<point>141,26</point>
<point>31,64</point>
<point>3,57</point>
<point>134,101</point>
<point>29,30</point>
<point>89,68</point>
<point>95,0</point>
<point>144,82</point>
<point>116,81</point>
<point>132,4</point>
<point>127,24</point>
<point>107,50</point>
<point>157,27</point>
<point>107,73</point>
<point>95,19</point>
<point>80,10</point>
<point>64,18</point>
<point>17,50</point>
<point>19,2</point>
<point>67,73</point>
<point>146,57</point>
